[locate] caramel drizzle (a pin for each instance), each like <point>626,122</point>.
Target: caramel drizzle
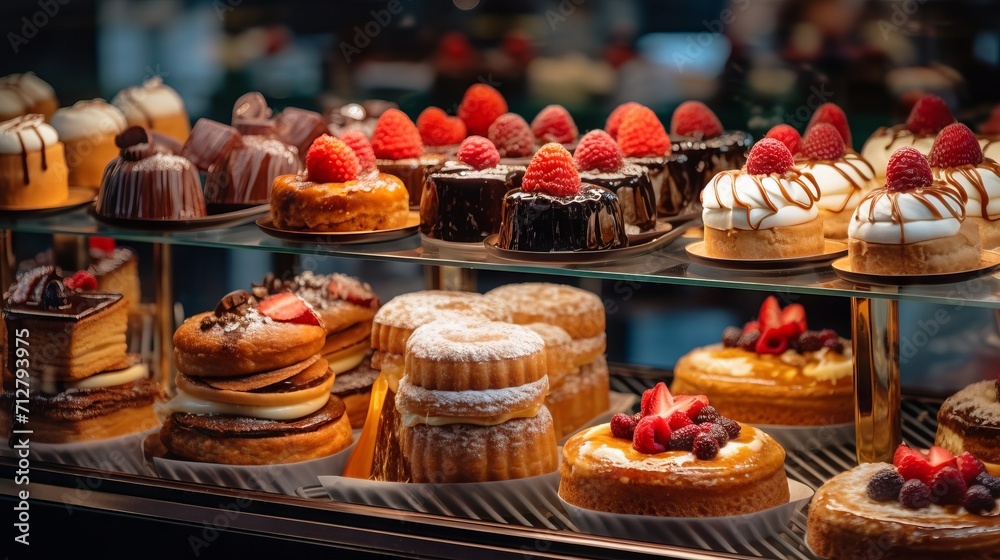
<point>952,199</point>
<point>852,160</point>
<point>990,142</point>
<point>970,174</point>
<point>895,133</point>
<point>805,180</point>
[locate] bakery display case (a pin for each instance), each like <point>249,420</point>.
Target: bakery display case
<point>661,284</point>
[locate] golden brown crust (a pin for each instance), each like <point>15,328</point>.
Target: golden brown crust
<point>579,398</point>
<point>47,187</point>
<point>578,312</point>
<point>266,345</point>
<point>558,356</point>
<point>772,243</point>
<point>347,337</point>
<point>338,315</point>
<point>396,320</point>
<point>115,424</point>
<point>951,254</point>
<point>375,203</point>
<point>357,408</point>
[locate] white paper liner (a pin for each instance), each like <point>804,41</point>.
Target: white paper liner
<point>698,532</point>
<point>617,402</point>
<point>499,501</point>
<point>121,454</point>
<point>279,479</point>
<point>809,438</point>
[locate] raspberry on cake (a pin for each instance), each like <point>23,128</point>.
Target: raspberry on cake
<point>554,211</point>
<point>440,131</point>
<point>787,136</point>
<point>833,115</point>
<point>615,118</point>
<point>512,136</point>
<point>399,151</point>
<point>600,161</point>
<point>923,505</point>
<point>912,225</point>
<point>554,124</point>
<point>969,421</point>
<point>843,176</point>
<point>766,210</point>
<point>694,118</point>
<point>957,160</point>
<point>480,106</point>
<point>362,150</point>
<point>774,371</point>
<point>927,117</point>
<point>334,196</point>
<point>708,466</point>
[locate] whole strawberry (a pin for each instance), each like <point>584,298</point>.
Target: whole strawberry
<point>641,134</point>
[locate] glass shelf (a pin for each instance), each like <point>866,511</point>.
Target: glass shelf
<point>668,265</point>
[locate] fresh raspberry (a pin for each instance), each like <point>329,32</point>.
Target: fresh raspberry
<point>707,414</point>
<point>438,129</point>
<point>683,438</point>
<point>678,420</point>
<point>82,281</point>
<point>694,118</point>
<point>731,337</point>
<point>955,145</point>
<point>705,447</point>
<point>787,136</point>
<point>749,340</point>
<point>597,150</point>
<point>948,487</point>
<point>652,434</point>
<point>552,171</point>
<point>287,307</point>
<point>732,427</point>
<point>771,341</point>
<point>823,142</point>
<point>554,124</point>
<point>331,161</point>
<point>396,137</point>
<point>623,426</point>
<point>480,106</point>
<point>907,169</point>
<point>478,152</point>
<point>512,136</point>
<point>641,134</point>
<point>914,495</point>
<point>970,466</point>
<point>615,118</point>
<point>831,113</point>
<point>768,156</point>
<point>929,115</point>
<point>992,125</point>
<point>978,500</point>
<point>884,486</point>
<point>912,464</point>
<point>810,341</point>
<point>362,149</point>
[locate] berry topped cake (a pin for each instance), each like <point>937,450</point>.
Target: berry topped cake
<point>554,211</point>
<point>644,142</point>
<point>600,161</point>
<point>513,139</point>
<point>480,106</point>
<point>774,370</point>
<point>439,132</point>
<point>957,160</point>
<point>399,151</point>
<point>928,116</point>
<point>932,505</point>
<point>678,457</point>
<point>554,124</point>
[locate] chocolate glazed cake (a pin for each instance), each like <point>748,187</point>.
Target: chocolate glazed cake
<point>678,179</point>
<point>588,221</point>
<point>635,193</point>
<point>461,204</point>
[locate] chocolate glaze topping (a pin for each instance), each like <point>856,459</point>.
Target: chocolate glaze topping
<point>535,221</point>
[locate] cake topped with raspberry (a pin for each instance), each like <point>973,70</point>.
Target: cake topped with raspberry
<point>957,160</point>
<point>929,115</point>
<point>554,124</point>
<point>480,106</point>
<point>788,136</point>
<point>600,162</point>
<point>438,131</point>
<point>512,136</point>
<point>399,151</point>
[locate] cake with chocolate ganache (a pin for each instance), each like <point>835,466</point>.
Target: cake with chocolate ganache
<point>600,162</point>
<point>462,199</point>
<point>928,116</point>
<point>958,161</point>
<point>298,128</point>
<point>554,211</point>
<point>143,184</point>
<point>399,151</point>
<point>88,130</point>
<point>644,142</point>
<point>33,172</point>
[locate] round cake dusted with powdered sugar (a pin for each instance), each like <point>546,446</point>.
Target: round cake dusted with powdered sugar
<point>579,312</point>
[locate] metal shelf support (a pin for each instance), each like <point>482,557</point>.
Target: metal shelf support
<point>875,335</point>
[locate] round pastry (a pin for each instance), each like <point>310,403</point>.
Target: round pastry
<point>354,388</point>
<point>88,130</point>
<point>578,398</point>
<point>969,421</point>
<point>554,211</point>
<point>33,170</point>
<point>337,194</point>
<point>928,116</point>
<point>472,403</point>
<point>601,163</point>
<point>912,225</point>
<point>647,467</point>
<point>156,106</point>
<point>774,372</point>
<point>578,312</point>
<point>767,210</point>
<point>558,352</point>
<point>957,161</point>
<point>23,94</point>
<point>142,184</point>
<point>921,506</point>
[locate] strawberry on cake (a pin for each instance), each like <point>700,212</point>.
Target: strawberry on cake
<point>767,210</point>
<point>912,225</point>
<point>928,116</point>
<point>678,457</point>
<point>923,505</point>
<point>774,371</point>
<point>788,136</point>
<point>957,160</point>
<point>599,160</point>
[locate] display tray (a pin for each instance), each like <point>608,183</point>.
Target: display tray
<point>584,257</point>
<point>341,238</point>
<point>211,221</point>
<point>78,196</point>
<point>832,250</point>
<point>989,263</point>
<point>121,454</point>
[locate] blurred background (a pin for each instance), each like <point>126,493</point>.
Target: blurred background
<point>755,62</point>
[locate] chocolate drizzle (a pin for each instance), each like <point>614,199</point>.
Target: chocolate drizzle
<point>852,160</point>
<point>19,126</point>
<point>805,180</point>
<point>976,180</point>
<point>952,199</point>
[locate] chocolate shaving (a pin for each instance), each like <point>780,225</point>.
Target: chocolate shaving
<point>237,302</point>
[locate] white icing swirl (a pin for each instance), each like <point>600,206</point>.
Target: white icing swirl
<point>740,200</point>
<point>885,141</point>
<point>991,147</point>
<point>842,182</point>
<point>87,119</point>
<point>979,182</point>
<point>913,216</point>
<point>29,130</point>
<point>30,87</point>
<point>152,99</point>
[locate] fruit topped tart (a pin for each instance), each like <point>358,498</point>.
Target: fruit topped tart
<point>774,370</point>
<point>923,505</point>
<point>678,457</point>
<point>957,160</point>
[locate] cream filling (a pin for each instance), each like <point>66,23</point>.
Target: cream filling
<point>88,119</point>
<point>411,419</point>
<point>111,378</point>
<point>837,192</point>
<point>921,218</point>
<point>346,363</point>
<point>880,146</point>
<point>186,403</point>
<point>737,200</point>
<point>974,204</point>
